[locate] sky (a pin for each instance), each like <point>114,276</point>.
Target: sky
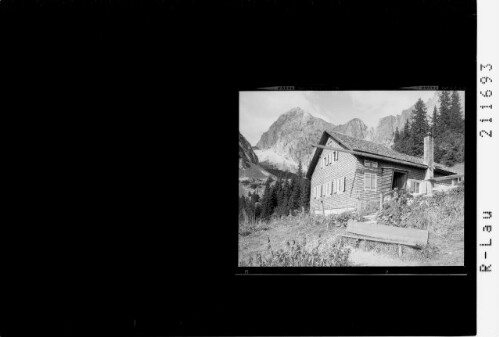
<point>259,109</point>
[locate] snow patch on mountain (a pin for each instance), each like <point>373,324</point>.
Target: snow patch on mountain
<point>282,162</point>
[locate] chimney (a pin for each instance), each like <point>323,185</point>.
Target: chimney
<point>428,156</point>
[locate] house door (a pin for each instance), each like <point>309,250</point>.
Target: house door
<point>399,180</point>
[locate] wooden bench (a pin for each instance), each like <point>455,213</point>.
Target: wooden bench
<point>411,237</point>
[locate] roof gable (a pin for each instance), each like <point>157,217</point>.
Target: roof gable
<point>318,151</point>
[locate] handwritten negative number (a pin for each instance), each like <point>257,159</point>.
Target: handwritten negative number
<point>485,79</point>
<point>487,133</point>
<point>488,93</point>
<point>485,66</point>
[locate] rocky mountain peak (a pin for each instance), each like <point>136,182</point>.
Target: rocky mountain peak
<point>246,153</point>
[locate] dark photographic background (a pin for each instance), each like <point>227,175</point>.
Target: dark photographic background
<point>125,117</point>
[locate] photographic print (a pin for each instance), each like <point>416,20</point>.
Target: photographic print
<point>351,178</point>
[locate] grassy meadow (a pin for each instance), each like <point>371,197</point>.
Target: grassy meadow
<point>314,240</point>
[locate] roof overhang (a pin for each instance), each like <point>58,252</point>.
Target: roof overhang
<point>320,147</point>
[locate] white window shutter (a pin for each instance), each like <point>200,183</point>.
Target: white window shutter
<point>367,181</point>
<point>344,180</point>
<point>331,186</point>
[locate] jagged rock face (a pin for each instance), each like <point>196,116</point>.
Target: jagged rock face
<point>291,135</point>
<point>354,128</point>
<point>246,153</point>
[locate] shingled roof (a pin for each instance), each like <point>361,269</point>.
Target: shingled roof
<point>359,145</point>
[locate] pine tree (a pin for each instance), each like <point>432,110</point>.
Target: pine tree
<point>397,140</point>
<point>304,194</point>
<point>396,136</point>
<point>418,131</point>
<point>445,118</point>
<point>295,197</point>
<point>434,122</point>
<point>286,197</point>
<point>267,200</point>
<point>455,113</point>
<point>300,170</point>
<point>279,193</point>
<point>404,143</point>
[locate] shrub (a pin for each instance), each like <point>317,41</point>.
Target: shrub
<point>442,212</point>
<point>369,207</point>
<point>342,218</point>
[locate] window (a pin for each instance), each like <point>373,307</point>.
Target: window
<point>338,185</point>
<point>413,186</point>
<point>370,181</point>
<point>369,163</point>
